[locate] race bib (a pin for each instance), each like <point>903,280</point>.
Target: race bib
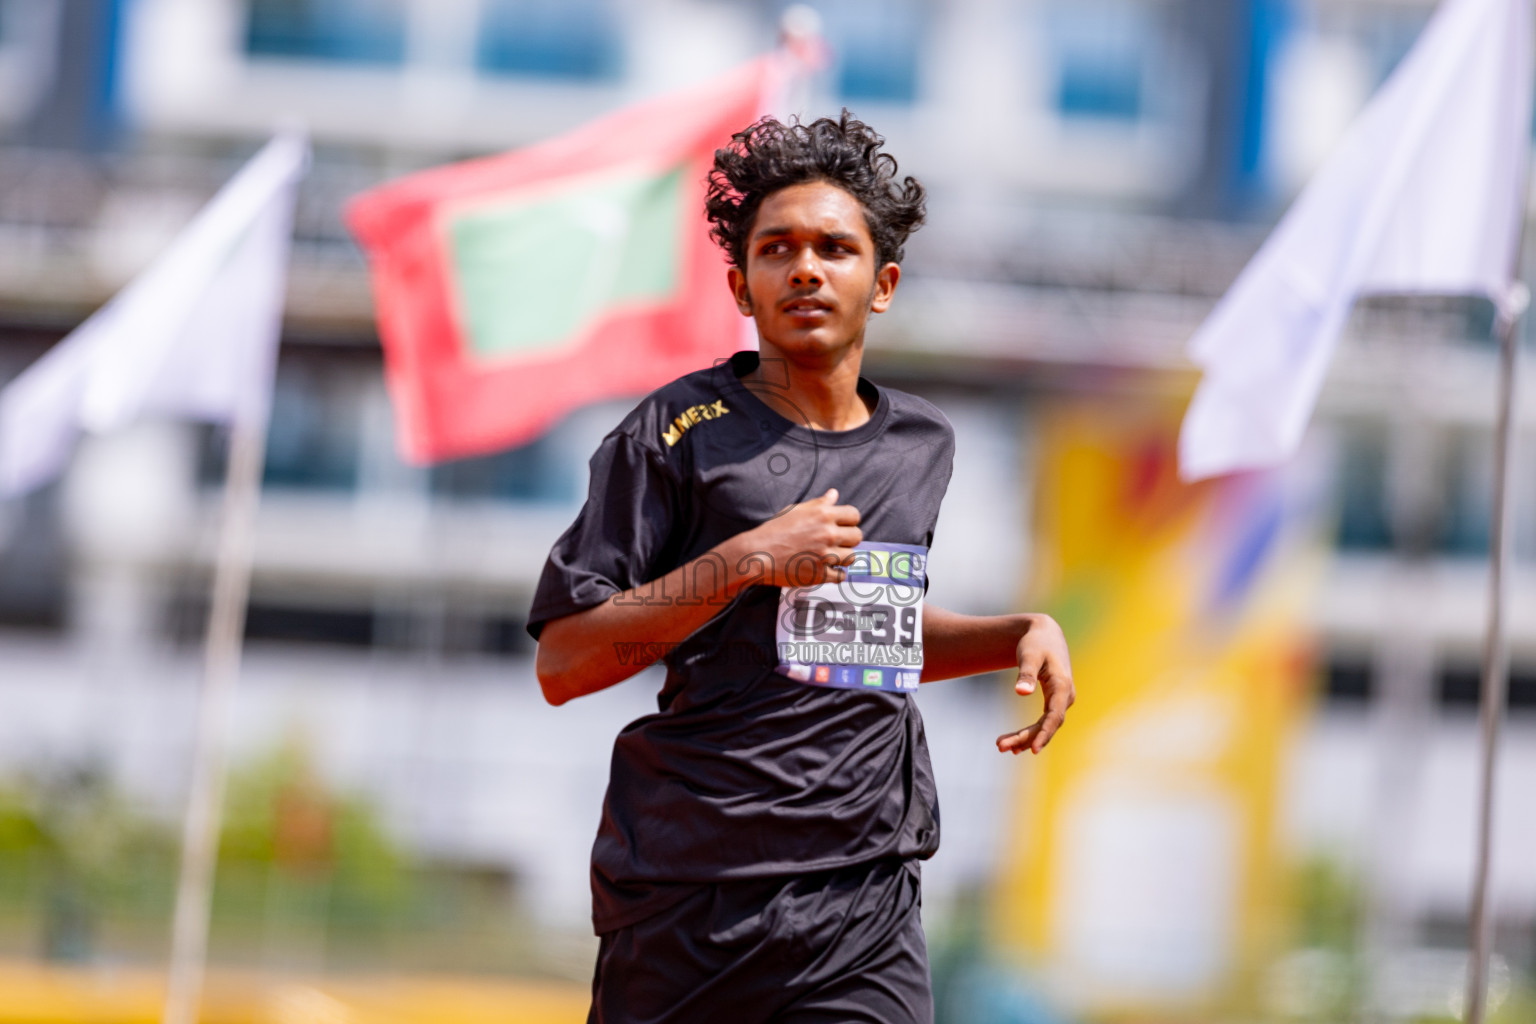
<point>865,632</point>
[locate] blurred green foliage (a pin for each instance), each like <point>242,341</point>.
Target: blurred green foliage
<point>70,846</point>
<point>1330,904</point>
<point>1327,978</point>
<point>1328,975</point>
<point>308,876</point>
<point>326,855</point>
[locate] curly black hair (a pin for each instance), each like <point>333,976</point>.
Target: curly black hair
<point>770,155</point>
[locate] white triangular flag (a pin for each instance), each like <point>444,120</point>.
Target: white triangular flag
<point>194,335</point>
<point>1423,195</point>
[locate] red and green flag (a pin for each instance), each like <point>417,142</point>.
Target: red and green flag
<point>515,288</point>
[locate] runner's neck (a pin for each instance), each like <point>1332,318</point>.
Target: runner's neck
<point>823,398</point>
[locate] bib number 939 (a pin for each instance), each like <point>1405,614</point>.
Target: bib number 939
<point>817,618</point>
<point>864,632</point>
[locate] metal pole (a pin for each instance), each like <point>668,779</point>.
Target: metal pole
<point>1495,686</point>
<point>226,627</point>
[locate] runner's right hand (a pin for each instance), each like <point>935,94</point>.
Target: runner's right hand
<point>806,543</point>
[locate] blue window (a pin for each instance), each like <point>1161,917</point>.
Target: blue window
<point>34,563</point>
<point>314,440</point>
<point>562,38</point>
<point>1101,50</point>
<point>535,472</point>
<point>876,46</point>
<point>1467,520</point>
<point>358,31</point>
<point>1362,493</point>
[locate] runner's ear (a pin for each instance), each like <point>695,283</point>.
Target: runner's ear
<point>885,288</point>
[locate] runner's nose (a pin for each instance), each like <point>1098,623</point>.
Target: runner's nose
<point>806,271</point>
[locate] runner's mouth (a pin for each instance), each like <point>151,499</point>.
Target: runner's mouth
<point>806,307</point>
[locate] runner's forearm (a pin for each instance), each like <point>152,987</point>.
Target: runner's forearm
<point>957,645</point>
<point>580,653</point>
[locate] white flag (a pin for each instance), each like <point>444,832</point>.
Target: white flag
<point>195,335</point>
<point>1423,195</point>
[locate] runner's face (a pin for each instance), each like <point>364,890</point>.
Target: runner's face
<point>811,279</point>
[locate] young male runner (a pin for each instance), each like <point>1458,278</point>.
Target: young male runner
<point>757,856</point>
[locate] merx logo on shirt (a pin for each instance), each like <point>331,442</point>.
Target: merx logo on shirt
<point>693,414</point>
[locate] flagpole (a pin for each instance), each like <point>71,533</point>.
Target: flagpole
<point>226,627</point>
<point>1495,682</point>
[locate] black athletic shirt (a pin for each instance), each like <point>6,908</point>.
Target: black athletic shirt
<point>744,773</point>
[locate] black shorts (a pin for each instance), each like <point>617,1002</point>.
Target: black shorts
<point>831,947</point>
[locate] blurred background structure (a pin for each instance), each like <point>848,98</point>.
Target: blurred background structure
<point>404,803</point>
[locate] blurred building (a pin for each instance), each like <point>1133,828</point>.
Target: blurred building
<point>1099,170</point>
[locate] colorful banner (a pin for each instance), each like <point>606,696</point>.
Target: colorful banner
<point>513,289</point>
<point>1145,872</point>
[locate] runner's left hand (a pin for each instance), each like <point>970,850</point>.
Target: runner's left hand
<point>1043,661</point>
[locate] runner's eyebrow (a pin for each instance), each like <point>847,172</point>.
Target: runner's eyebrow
<point>785,229</point>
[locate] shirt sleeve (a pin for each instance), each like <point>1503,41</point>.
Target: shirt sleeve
<point>617,537</point>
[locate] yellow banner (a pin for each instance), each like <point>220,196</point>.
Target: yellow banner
<point>1144,871</point>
